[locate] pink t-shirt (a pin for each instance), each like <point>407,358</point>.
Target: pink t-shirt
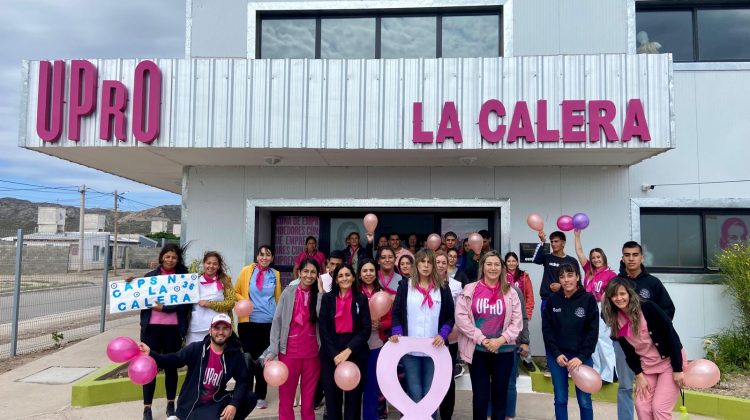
<point>318,256</point>
<point>651,361</point>
<point>161,318</point>
<point>597,283</point>
<point>211,377</point>
<point>488,308</point>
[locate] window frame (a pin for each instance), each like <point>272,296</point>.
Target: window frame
<point>378,14</point>
<point>702,212</point>
<point>693,7</point>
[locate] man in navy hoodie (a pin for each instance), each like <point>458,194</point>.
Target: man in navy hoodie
<point>650,288</point>
<point>211,363</point>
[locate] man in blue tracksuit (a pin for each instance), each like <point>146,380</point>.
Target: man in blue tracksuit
<point>650,288</point>
<point>211,363</point>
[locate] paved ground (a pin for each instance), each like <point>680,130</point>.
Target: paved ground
<point>22,400</point>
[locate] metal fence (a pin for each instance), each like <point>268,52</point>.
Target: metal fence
<point>53,288</point>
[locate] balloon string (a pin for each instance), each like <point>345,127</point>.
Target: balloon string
<point>682,392</point>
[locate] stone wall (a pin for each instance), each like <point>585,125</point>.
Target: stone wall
<point>35,259</point>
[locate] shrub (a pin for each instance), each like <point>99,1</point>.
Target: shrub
<point>729,348</point>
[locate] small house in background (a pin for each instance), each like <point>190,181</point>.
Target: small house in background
<point>161,225</point>
<point>50,219</point>
<point>176,229</point>
<point>94,222</point>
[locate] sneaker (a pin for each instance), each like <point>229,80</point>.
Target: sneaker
<point>529,366</point>
<point>546,373</point>
<point>170,409</point>
<point>262,404</point>
<point>147,414</point>
<point>458,371</point>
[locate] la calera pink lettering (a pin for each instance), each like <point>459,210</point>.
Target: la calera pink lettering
<point>581,121</point>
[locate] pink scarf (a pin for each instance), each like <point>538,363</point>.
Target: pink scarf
<point>210,280</point>
<point>426,293</point>
<point>260,277</point>
<point>495,294</point>
<point>387,283</point>
<point>165,272</point>
<point>301,309</point>
<point>625,328</point>
<point>367,291</point>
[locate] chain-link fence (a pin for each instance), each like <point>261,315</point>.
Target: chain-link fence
<point>56,294</point>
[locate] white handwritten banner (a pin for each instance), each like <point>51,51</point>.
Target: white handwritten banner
<point>144,292</point>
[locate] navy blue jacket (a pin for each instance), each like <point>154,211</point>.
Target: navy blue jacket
<point>446,318</point>
<point>571,325</point>
<point>195,357</point>
<point>361,327</point>
<point>183,311</point>
<point>650,288</point>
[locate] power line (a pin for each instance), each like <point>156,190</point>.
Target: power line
<point>701,183</point>
<point>39,186</point>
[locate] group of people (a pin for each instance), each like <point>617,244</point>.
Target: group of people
<point>480,311</point>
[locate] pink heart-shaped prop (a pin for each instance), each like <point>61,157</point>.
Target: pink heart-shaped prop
<point>388,379</point>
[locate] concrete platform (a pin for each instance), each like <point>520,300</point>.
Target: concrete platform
<point>22,400</point>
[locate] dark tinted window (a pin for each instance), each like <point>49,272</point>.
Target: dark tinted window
<point>287,38</point>
<point>666,32</point>
<point>471,36</point>
<point>347,38</point>
<point>408,37</point>
<point>724,34</point>
<point>672,241</point>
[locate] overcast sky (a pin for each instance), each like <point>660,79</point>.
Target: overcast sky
<point>54,29</point>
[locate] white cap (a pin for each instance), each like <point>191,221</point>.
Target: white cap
<point>221,318</point>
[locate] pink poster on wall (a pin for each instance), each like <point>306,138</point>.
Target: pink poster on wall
<point>290,235</point>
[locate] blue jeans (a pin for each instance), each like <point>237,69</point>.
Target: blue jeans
<point>510,403</point>
<point>625,378</point>
<point>490,374</point>
<point>371,391</point>
<point>560,386</point>
<point>419,371</point>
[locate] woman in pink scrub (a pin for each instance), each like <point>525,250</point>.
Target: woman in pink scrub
<point>652,349</point>
<point>294,340</point>
<point>596,276</point>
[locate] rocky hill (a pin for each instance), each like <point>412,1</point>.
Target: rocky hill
<point>15,214</point>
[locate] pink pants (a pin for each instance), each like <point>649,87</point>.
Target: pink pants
<point>306,372</point>
<point>659,403</point>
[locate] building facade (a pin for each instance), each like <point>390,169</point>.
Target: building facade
<point>288,119</point>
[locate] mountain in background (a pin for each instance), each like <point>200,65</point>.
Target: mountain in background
<point>15,214</point>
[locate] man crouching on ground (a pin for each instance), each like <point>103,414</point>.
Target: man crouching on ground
<point>211,363</point>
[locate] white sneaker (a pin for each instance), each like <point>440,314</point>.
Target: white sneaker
<point>262,404</point>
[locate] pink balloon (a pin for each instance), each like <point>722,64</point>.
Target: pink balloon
<point>702,373</point>
<point>275,372</point>
<point>243,307</point>
<point>142,370</point>
<point>347,375</point>
<point>380,304</point>
<point>587,379</point>
<point>565,223</point>
<point>434,241</point>
<point>122,349</point>
<point>476,242</point>
<point>388,359</point>
<point>370,222</point>
<point>535,222</point>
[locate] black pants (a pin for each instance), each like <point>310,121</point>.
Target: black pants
<point>162,339</point>
<point>490,373</point>
<point>255,339</point>
<point>449,402</point>
<point>213,410</point>
<point>352,400</point>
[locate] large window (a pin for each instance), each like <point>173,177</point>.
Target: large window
<point>687,240</point>
<point>333,34</point>
<point>692,32</point>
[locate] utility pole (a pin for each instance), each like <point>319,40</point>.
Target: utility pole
<point>114,254</point>
<point>82,190</point>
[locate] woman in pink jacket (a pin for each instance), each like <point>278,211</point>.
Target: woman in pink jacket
<point>489,319</point>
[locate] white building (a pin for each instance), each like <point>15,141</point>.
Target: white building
<point>290,118</point>
<point>51,220</point>
<point>159,226</point>
<point>94,222</point>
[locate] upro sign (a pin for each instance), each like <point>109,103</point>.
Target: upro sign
<point>599,115</point>
<point>82,101</point>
